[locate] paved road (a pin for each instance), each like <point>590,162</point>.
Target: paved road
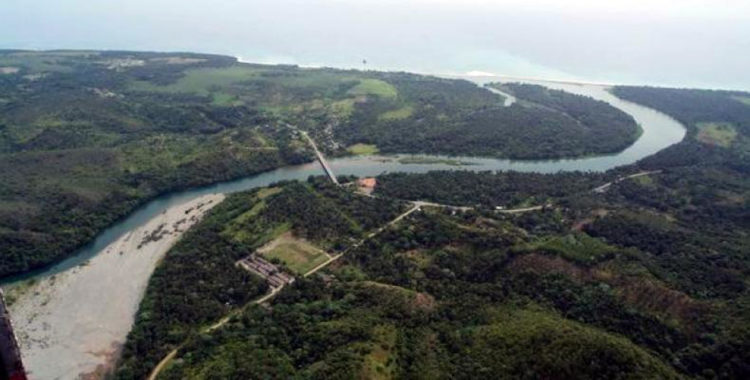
<point>605,187</point>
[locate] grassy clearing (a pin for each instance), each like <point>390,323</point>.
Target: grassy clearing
<point>298,254</point>
<point>267,192</point>
<point>362,149</point>
<point>577,247</point>
<point>742,99</point>
<point>718,134</point>
<point>399,114</point>
<point>36,62</point>
<point>644,180</point>
<point>380,363</point>
<point>343,108</point>
<point>203,81</point>
<point>374,87</point>
<point>224,99</point>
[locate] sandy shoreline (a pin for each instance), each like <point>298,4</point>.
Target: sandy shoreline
<point>81,317</point>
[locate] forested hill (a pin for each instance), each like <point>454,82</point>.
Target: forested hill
<point>444,116</point>
<point>718,125</point>
<point>86,136</point>
<point>645,279</point>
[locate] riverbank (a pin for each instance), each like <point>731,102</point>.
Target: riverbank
<point>82,316</point>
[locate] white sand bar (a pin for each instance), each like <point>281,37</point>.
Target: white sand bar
<point>72,325</point>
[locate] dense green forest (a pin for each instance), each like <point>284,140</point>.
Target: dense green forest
<point>198,282</point>
<point>647,279</point>
<point>444,116</point>
<point>87,136</point>
<point>478,294</point>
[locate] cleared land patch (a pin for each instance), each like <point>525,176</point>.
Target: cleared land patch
<point>9,70</point>
<point>577,247</point>
<point>298,254</point>
<point>719,134</point>
<point>743,99</point>
<point>398,114</point>
<point>374,87</point>
<point>362,149</point>
<point>202,81</point>
<point>343,108</point>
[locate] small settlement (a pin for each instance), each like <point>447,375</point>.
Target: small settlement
<point>271,273</point>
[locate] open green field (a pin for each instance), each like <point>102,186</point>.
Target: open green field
<point>398,114</point>
<point>202,81</point>
<point>362,149</point>
<point>719,134</point>
<point>743,99</point>
<point>374,87</point>
<point>578,247</point>
<point>298,254</point>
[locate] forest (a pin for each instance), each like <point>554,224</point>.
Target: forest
<point>645,279</point>
<point>198,281</point>
<point>88,136</point>
<point>458,118</point>
<point>447,294</point>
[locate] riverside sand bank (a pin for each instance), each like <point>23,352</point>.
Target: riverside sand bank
<point>74,323</point>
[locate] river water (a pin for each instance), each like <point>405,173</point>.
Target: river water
<point>659,132</point>
<point>96,285</point>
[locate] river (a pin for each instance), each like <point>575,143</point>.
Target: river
<point>659,131</point>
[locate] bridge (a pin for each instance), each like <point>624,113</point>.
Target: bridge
<point>321,159</point>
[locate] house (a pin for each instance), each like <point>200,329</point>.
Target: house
<point>367,182</point>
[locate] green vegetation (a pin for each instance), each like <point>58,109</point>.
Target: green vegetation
<point>721,134</point>
<point>743,99</point>
<point>520,342</point>
<point>362,149</point>
<point>297,254</point>
<point>579,248</point>
<point>648,279</point>
<point>486,189</point>
<point>85,137</point>
<point>399,114</point>
<point>182,296</point>
<point>374,87</point>
<point>433,161</point>
<point>439,116</point>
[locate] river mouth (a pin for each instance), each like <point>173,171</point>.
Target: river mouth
<point>659,132</point>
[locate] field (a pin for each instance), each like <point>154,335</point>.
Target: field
<point>374,87</point>
<point>743,99</point>
<point>298,254</point>
<point>398,114</point>
<point>580,248</point>
<point>362,149</point>
<point>719,134</point>
<point>202,81</point>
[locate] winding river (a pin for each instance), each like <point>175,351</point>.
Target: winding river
<point>659,131</point>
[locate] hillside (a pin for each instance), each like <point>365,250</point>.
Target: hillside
<point>645,277</point>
